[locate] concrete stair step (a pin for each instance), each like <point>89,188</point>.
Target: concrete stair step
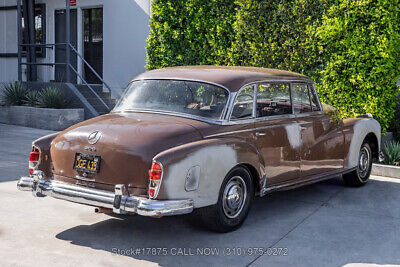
<point>93,99</point>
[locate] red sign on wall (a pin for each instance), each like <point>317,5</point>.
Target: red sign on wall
<point>72,2</point>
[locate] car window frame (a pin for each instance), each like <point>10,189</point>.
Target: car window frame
<point>311,87</point>
<point>275,116</point>
<point>232,105</point>
<point>309,98</point>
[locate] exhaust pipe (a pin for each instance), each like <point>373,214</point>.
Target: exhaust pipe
<point>25,184</point>
<point>102,210</point>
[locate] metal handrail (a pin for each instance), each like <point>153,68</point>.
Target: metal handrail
<point>90,87</point>
<point>43,45</point>
<point>90,67</point>
<point>50,46</point>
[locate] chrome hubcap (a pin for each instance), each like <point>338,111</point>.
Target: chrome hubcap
<point>363,163</point>
<point>234,197</point>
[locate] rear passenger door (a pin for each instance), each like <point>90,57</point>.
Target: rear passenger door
<point>276,132</point>
<point>322,139</point>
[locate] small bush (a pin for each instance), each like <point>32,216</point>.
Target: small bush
<point>13,94</point>
<point>391,153</point>
<point>32,98</point>
<point>52,97</point>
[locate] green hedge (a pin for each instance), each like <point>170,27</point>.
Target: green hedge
<point>190,32</point>
<point>275,34</point>
<point>350,48</point>
<point>360,47</point>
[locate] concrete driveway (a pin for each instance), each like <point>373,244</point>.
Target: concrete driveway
<point>325,224</point>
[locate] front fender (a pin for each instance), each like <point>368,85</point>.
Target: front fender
<point>355,131</point>
<point>214,158</point>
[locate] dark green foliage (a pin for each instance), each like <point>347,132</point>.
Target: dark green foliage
<point>13,94</point>
<point>391,153</point>
<point>351,48</point>
<point>32,98</point>
<point>360,48</point>
<point>52,98</point>
<point>276,34</point>
<point>395,122</point>
<point>190,32</point>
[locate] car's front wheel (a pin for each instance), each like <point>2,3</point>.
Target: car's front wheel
<point>234,201</point>
<point>360,175</point>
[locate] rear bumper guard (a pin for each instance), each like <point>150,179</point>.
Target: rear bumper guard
<point>119,200</point>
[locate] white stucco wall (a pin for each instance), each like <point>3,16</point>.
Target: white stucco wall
<point>125,30</point>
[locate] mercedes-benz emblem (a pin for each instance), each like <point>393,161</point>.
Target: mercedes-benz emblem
<point>94,137</point>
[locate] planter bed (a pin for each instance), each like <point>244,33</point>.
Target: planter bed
<point>386,170</point>
<point>41,118</point>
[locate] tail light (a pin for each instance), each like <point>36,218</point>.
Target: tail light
<point>155,178</point>
<point>34,159</point>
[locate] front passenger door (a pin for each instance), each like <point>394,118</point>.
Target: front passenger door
<point>276,133</point>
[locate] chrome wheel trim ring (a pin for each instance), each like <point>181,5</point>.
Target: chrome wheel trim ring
<point>364,163</point>
<point>234,197</point>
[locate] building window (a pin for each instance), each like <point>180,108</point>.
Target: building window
<point>40,30</point>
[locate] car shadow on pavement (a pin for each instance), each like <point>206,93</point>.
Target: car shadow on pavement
<point>314,223</point>
<point>176,238</point>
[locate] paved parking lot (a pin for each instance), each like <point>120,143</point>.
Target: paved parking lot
<point>325,224</point>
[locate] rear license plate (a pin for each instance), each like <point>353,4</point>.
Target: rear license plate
<point>87,163</point>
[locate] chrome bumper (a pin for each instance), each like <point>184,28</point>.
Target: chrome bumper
<point>119,201</point>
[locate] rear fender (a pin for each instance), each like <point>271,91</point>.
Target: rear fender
<point>212,158</point>
<point>44,144</point>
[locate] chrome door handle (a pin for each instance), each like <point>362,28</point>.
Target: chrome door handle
<point>260,134</point>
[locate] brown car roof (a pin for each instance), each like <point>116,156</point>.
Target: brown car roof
<point>233,78</point>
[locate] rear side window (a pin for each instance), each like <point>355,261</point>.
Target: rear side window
<point>301,98</point>
<point>243,107</point>
<point>273,99</point>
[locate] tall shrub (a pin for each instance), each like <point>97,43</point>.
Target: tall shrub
<point>190,32</point>
<point>359,42</point>
<point>275,34</point>
<point>351,48</point>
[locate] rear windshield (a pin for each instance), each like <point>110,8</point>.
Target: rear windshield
<point>194,98</point>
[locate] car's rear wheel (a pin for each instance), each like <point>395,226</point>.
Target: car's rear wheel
<point>360,175</point>
<point>234,201</point>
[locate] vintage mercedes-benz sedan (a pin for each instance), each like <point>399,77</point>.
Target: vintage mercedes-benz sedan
<point>206,138</point>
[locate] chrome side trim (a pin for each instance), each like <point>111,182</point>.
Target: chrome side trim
<point>269,189</point>
<point>118,201</point>
<point>248,130</point>
<point>231,132</point>
<point>183,115</point>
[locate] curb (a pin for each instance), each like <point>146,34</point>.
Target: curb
<point>386,170</point>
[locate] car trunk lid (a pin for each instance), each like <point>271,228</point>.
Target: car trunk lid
<point>127,143</point>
